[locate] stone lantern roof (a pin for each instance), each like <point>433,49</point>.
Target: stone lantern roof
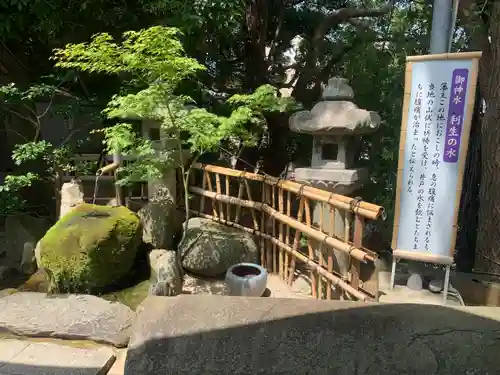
<point>336,114</point>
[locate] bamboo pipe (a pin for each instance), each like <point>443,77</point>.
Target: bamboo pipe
<point>113,167</point>
<point>117,161</point>
<point>334,279</point>
<point>317,235</point>
<point>365,209</point>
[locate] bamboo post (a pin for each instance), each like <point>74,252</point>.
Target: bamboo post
<point>252,210</point>
<point>238,207</point>
<point>269,245</point>
<point>296,242</point>
<point>321,248</point>
<point>347,232</point>
<point>314,284</point>
<point>209,185</point>
<point>273,222</point>
<point>281,229</point>
<point>228,192</point>
<point>357,242</point>
<point>219,192</point>
<point>263,250</point>
<point>204,187</point>
<point>287,241</point>
<point>330,253</point>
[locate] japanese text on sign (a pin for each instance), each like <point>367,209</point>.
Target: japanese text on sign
<point>434,130</point>
<point>455,115</point>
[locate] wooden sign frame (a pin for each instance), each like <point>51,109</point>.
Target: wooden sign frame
<point>466,127</point>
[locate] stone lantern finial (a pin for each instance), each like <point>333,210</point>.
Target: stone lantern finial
<point>337,89</point>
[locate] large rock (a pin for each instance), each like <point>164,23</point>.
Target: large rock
<point>166,273</point>
<point>90,248</point>
<point>157,216</point>
<point>73,317</point>
<point>209,248</point>
<point>294,336</point>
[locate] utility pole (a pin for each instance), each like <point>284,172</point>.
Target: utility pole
<point>442,15</point>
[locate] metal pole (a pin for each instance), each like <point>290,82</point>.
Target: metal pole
<point>442,11</point>
<point>446,283</point>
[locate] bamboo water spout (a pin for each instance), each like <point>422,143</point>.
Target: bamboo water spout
<point>113,167</point>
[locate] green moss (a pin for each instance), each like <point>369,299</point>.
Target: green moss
<point>90,248</point>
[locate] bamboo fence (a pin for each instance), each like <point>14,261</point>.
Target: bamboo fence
<point>282,220</point>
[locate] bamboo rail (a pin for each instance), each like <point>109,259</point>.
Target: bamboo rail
<point>367,210</point>
<point>290,233</point>
<point>354,252</point>
<point>331,277</point>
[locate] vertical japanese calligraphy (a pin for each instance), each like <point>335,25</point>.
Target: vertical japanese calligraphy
<point>455,115</point>
<point>432,149</point>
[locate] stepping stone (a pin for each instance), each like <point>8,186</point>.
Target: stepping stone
<point>73,317</point>
<point>38,358</point>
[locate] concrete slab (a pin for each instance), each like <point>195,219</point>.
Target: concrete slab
<point>403,294</point>
<point>236,335</point>
<point>37,358</point>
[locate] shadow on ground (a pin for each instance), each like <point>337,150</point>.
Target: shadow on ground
<point>229,335</point>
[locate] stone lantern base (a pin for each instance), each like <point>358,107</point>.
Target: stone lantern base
<point>338,181</point>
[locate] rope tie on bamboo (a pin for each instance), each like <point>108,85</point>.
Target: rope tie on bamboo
<point>355,203</point>
<point>301,191</point>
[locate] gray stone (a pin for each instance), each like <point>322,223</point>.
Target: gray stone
<point>38,258</point>
<point>335,118</point>
<point>77,317</point>
<point>37,358</point>
<point>71,196</point>
<point>157,216</point>
<point>237,335</point>
<point>197,285</point>
<point>211,248</point>
<point>28,260</point>
<point>22,231</point>
<point>415,282</point>
<point>166,274</point>
<point>337,88</point>
<point>436,286</point>
<point>5,272</point>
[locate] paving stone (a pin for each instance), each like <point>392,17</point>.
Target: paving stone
<point>38,358</point>
<point>10,348</point>
<point>73,317</point>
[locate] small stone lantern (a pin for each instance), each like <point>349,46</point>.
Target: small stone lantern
<point>336,124</point>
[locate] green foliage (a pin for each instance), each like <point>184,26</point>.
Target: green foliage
<point>155,61</point>
<point>51,159</point>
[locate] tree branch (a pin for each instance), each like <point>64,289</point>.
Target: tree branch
<point>281,17</point>
<point>333,19</point>
<point>340,16</point>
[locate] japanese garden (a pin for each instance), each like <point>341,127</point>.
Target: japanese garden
<point>285,186</point>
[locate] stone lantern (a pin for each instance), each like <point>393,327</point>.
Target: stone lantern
<point>336,124</point>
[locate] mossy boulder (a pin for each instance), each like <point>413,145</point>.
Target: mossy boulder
<point>90,248</point>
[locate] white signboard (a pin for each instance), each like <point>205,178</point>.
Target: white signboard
<point>439,100</point>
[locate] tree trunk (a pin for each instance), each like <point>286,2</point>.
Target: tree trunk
<point>488,239</point>
<point>469,200</point>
